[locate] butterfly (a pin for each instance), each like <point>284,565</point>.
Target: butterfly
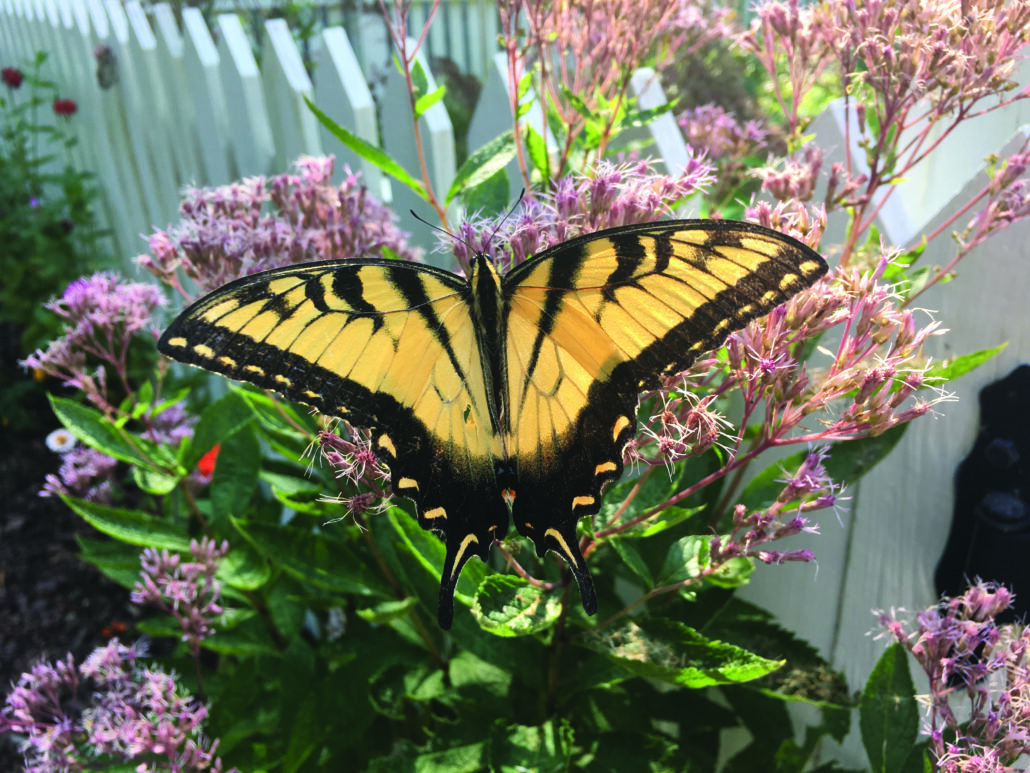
<point>498,398</point>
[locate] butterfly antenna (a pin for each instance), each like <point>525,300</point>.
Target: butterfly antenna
<point>444,231</point>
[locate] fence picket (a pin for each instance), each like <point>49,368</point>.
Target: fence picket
<point>204,86</point>
<point>341,91</point>
<point>399,142</point>
<point>294,127</point>
<point>253,145</point>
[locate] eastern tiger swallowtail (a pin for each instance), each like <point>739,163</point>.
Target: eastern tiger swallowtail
<point>491,396</point>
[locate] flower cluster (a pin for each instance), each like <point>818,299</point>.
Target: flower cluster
<point>726,142</point>
<point>101,315</point>
<point>591,49</point>
<point>85,473</point>
<point>349,452</point>
<point>187,590</point>
<point>107,709</point>
<point>911,71</point>
<point>608,195</point>
<point>965,653</point>
<point>240,229</point>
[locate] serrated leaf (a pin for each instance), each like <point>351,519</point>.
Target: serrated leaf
<point>494,156</point>
<point>672,652</point>
<point>510,606</point>
<point>491,195</point>
<point>685,559</point>
<point>131,526</point>
<point>888,715</point>
<point>374,155</point>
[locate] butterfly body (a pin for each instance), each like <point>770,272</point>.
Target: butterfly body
<point>498,398</point>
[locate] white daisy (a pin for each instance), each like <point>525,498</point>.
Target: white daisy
<point>60,441</point>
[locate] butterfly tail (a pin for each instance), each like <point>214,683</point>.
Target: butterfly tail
<point>458,553</point>
<point>564,543</point>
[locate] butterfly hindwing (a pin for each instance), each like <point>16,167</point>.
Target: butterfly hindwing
<point>595,321</point>
<point>388,345</point>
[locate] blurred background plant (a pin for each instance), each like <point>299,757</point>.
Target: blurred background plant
<point>47,226</point>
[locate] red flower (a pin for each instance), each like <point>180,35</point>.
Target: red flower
<point>12,77</point>
<point>206,465</point>
<point>65,106</point>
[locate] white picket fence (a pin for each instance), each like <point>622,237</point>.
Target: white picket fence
<point>187,110</point>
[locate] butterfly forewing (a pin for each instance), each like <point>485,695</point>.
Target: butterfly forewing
<point>387,345</point>
<point>595,321</point>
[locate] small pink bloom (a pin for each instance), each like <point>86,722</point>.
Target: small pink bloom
<point>12,77</point>
<point>65,107</point>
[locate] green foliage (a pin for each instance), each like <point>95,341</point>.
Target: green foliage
<point>523,681</point>
<point>46,205</point>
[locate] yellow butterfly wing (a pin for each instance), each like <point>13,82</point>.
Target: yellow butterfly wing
<point>593,322</point>
<point>389,345</point>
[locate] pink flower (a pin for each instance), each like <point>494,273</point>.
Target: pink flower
<point>65,107</point>
<point>12,77</point>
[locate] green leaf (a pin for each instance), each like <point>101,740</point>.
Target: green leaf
<point>633,560</point>
<point>546,748</point>
<point>419,79</point>
<point>494,156</point>
<point>888,715</point>
<point>577,103</point>
<point>851,459</point>
<point>218,422</point>
<point>491,195</point>
<point>685,558</point>
<point>323,560</point>
<point>236,473</point>
<point>368,152</point>
<point>387,611</point>
<point>536,146</point>
<point>131,526</point>
<point>672,652</point>
<point>244,568</point>
<point>951,369</point>
<point>426,101</point>
<point>90,426</point>
<point>510,606</point>
<point>116,560</point>
<point>153,481</point>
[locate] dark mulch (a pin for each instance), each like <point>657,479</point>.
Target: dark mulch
<point>51,603</point>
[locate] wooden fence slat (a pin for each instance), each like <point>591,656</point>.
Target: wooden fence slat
<point>253,145</point>
<point>155,118</point>
<point>204,86</point>
<point>341,92</point>
<point>151,166</point>
<point>399,142</point>
<point>181,126</point>
<point>294,127</point>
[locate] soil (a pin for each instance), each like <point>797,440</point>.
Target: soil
<point>51,602</point>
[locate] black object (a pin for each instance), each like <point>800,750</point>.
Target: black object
<point>990,527</point>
